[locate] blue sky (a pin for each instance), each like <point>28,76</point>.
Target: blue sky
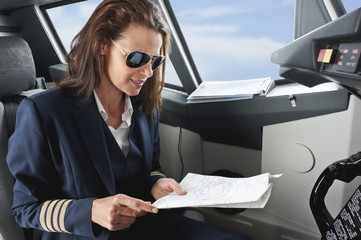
<point>228,39</point>
<point>351,4</point>
<point>233,39</point>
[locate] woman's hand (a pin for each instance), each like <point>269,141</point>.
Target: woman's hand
<point>119,212</point>
<point>164,186</point>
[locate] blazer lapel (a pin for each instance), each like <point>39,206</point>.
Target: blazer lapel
<point>91,130</point>
<point>146,145</point>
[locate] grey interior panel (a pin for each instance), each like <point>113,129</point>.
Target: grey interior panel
<point>240,122</point>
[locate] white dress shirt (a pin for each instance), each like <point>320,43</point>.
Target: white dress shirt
<point>121,134</point>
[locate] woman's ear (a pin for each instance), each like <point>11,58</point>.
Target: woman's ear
<point>103,48</point>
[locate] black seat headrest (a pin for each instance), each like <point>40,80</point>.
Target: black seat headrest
<point>17,68</point>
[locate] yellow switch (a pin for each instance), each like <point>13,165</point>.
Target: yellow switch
<point>328,55</point>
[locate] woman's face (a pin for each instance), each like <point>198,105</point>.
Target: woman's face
<point>116,75</point>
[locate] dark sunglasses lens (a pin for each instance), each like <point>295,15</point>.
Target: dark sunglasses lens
<point>157,62</point>
<point>137,59</point>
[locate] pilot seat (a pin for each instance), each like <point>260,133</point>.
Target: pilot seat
<point>17,80</point>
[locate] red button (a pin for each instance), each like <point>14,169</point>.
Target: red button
<point>321,55</point>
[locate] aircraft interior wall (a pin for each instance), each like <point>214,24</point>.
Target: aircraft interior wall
<point>7,25</point>
<point>199,156</point>
<point>300,150</point>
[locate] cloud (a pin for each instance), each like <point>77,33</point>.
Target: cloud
<point>220,53</point>
<point>287,2</point>
<point>217,56</point>
<point>212,12</point>
<point>66,26</point>
<point>86,10</point>
<point>62,25</point>
<point>253,47</point>
<point>211,28</point>
<point>56,13</point>
<point>240,48</point>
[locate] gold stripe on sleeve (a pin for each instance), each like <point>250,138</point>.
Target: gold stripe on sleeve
<point>62,216</point>
<point>42,215</point>
<point>49,215</point>
<point>157,173</point>
<point>56,215</point>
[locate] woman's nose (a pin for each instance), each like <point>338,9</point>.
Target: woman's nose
<point>147,70</point>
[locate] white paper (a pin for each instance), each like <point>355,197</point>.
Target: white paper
<point>239,88</point>
<point>215,191</point>
<point>295,88</point>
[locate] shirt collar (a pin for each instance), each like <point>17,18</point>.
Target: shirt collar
<point>128,111</point>
<point>127,114</point>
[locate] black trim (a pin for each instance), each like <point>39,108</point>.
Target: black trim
<point>61,3</point>
<point>339,7</point>
<point>57,72</point>
<point>9,29</point>
<point>6,13</point>
<point>52,28</point>
<point>175,87</point>
<point>28,233</point>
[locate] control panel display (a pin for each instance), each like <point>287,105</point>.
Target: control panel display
<point>347,58</point>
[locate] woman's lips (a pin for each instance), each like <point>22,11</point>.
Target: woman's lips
<point>138,83</point>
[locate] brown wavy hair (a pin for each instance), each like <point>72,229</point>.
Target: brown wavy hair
<point>108,21</point>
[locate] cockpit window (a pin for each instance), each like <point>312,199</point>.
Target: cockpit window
<point>228,40</point>
<point>69,19</point>
<point>351,5</point>
<point>233,40</point>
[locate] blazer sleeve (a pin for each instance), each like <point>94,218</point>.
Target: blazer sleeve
<point>156,171</point>
<point>39,201</point>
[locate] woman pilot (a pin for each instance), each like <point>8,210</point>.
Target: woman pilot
<point>85,155</point>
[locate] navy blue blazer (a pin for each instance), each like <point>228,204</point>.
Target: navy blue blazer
<point>58,157</point>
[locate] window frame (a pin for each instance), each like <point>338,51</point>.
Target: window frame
<point>51,27</point>
<point>306,22</point>
<point>180,56</point>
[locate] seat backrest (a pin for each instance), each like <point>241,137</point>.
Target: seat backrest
<point>17,74</point>
<point>8,227</point>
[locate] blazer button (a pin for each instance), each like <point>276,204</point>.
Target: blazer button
<point>126,168</point>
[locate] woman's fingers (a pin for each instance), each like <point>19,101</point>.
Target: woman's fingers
<point>135,204</point>
<point>164,186</point>
<point>178,190</point>
<point>120,211</point>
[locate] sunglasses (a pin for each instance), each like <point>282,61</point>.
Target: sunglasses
<point>137,59</point>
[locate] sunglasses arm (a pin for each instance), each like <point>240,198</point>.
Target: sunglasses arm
<point>118,47</point>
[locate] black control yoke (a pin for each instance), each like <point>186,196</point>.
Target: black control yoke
<point>345,170</point>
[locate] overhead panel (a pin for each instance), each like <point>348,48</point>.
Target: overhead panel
<point>15,4</point>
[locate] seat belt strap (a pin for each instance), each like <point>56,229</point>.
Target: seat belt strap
<point>11,106</point>
<point>10,109</point>
<point>28,233</point>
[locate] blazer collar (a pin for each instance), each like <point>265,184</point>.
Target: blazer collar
<point>89,122</point>
<point>146,141</point>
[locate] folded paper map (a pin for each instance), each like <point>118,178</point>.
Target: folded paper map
<point>223,192</point>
